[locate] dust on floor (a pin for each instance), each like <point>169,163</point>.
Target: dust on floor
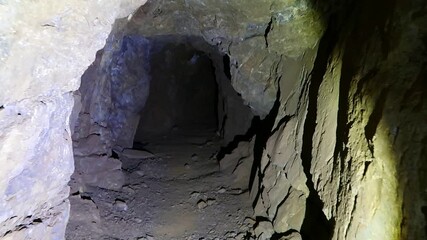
<point>177,192</point>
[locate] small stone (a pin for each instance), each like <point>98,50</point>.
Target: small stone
<point>120,205</point>
<point>194,157</point>
<point>187,166</point>
<point>236,191</point>
<point>230,234</point>
<point>244,228</point>
<point>140,173</point>
<point>292,236</point>
<point>240,236</point>
<point>128,190</point>
<point>249,221</point>
<point>222,190</point>
<point>194,195</point>
<point>137,220</point>
<point>146,237</point>
<point>264,230</point>
<point>201,204</point>
<point>210,201</point>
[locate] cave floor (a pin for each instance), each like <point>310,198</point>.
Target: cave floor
<point>176,193</point>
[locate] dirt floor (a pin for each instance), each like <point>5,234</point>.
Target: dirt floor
<point>177,192</point>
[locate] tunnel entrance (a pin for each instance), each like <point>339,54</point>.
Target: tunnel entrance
<point>154,113</point>
<point>183,92</point>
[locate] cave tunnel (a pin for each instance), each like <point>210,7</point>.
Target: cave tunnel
<point>172,116</point>
<point>203,119</point>
<point>183,92</point>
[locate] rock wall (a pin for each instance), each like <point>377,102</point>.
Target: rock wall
<point>339,152</point>
<point>135,67</point>
<point>45,46</point>
<point>344,158</point>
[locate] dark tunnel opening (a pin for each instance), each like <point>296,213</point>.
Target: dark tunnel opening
<point>183,92</point>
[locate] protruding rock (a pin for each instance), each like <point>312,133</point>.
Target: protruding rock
<point>201,204</point>
<point>264,230</point>
<point>120,205</point>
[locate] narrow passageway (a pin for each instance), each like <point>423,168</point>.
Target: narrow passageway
<point>171,112</point>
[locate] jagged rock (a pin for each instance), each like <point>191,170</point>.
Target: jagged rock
<point>85,215</point>
<point>201,204</point>
<point>102,172</point>
<point>128,190</point>
<point>290,214</point>
<point>210,201</point>
<point>230,161</point>
<point>292,236</point>
<point>222,190</point>
<point>44,49</point>
<point>120,205</point>
<point>264,230</point>
<point>92,145</point>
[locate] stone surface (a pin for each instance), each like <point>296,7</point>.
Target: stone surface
<point>165,206</point>
<point>132,153</point>
<point>239,28</point>
<point>85,216</point>
<point>44,48</point>
<point>103,172</point>
<point>264,230</point>
<point>201,204</point>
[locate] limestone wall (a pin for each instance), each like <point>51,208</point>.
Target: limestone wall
<point>45,46</point>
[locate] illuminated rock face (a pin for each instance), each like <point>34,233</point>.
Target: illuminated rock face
<point>340,153</point>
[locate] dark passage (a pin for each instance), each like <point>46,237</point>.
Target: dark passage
<point>183,91</point>
<point>172,108</point>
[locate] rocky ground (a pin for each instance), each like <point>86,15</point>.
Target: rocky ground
<point>173,190</point>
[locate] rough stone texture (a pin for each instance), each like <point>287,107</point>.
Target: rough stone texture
<point>358,128</point>
<point>281,190</point>
<point>116,86</point>
<point>238,28</point>
<point>113,92</point>
<point>236,36</point>
<point>131,90</point>
<point>369,184</point>
<point>44,48</point>
<point>239,163</point>
<point>102,171</point>
<point>339,154</point>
